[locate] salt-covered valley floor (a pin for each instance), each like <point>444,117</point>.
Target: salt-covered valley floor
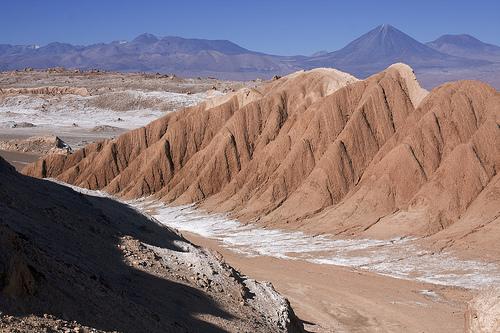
<point>79,120</point>
<point>398,258</point>
<point>80,111</point>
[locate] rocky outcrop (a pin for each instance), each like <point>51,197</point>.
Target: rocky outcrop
<point>49,144</point>
<point>69,259</point>
<point>316,150</point>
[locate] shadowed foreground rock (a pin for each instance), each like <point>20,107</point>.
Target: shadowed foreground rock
<point>69,260</point>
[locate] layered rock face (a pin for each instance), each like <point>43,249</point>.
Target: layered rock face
<point>320,151</point>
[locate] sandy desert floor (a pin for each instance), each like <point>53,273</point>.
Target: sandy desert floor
<point>334,285</point>
<point>338,299</point>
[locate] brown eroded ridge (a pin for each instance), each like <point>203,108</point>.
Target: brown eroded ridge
<point>321,151</point>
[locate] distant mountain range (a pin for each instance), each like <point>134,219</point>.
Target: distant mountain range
<point>383,46</point>
<point>186,57</point>
<point>449,57</point>
<point>466,46</point>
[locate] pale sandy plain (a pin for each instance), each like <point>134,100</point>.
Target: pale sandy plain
<point>331,298</point>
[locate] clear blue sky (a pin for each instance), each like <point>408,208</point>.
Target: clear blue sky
<point>272,26</point>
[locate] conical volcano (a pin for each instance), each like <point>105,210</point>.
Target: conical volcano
<point>381,47</point>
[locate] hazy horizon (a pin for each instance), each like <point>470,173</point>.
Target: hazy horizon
<point>259,26</point>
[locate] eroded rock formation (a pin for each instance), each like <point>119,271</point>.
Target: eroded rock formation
<point>321,151</point>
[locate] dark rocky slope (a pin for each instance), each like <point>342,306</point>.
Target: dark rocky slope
<point>96,262</point>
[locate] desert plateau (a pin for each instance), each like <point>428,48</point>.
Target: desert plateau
<point>181,184</point>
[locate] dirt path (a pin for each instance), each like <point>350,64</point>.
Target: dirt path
<point>339,299</point>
